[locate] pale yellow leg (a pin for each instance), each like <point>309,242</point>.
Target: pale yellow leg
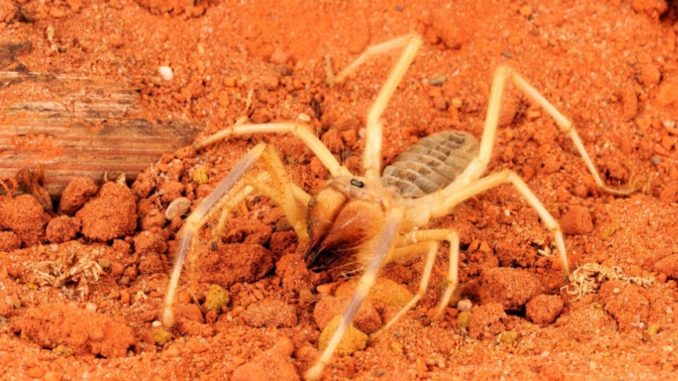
<point>452,239</point>
<point>373,139</point>
<point>444,205</point>
<point>432,250</point>
<point>229,193</point>
<point>380,246</point>
<point>284,194</point>
<point>477,167</point>
<point>230,203</point>
<point>438,235</point>
<point>299,130</point>
<point>197,218</point>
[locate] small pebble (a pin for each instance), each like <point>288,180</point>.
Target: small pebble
<point>166,73</point>
<point>437,81</point>
<point>177,208</point>
<point>464,305</point>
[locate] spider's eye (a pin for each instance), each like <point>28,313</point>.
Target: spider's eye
<point>357,183</point>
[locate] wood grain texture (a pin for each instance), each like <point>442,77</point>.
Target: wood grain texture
<point>74,125</point>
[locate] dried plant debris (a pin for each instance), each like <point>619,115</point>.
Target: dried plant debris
<point>72,266</point>
<point>586,279</point>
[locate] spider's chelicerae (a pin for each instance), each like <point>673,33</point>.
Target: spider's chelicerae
<point>387,212</point>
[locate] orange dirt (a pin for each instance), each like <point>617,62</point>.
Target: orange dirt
<point>80,295</point>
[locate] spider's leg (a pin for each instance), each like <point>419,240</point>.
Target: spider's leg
<point>296,129</point>
<point>444,205</point>
<point>431,249</point>
<point>197,218</point>
<point>410,44</point>
<point>566,127</point>
<point>479,164</point>
<point>275,184</point>
<point>429,236</point>
<point>380,246</point>
<point>452,238</point>
<point>228,194</point>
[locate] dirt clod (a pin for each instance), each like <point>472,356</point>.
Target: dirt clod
<point>24,216</point>
<point>62,229</point>
<point>148,242</point>
<point>544,309</point>
<point>231,263</point>
<point>668,93</point>
<point>77,192</point>
<point>668,265</point>
<point>271,313</point>
<point>487,321</point>
<point>367,318</point>
<point>511,288</point>
<point>111,214</point>
<point>353,340</point>
<point>9,241</point>
<point>577,220</point>
<point>384,293</point>
<point>81,331</point>
<point>626,303</point>
<point>271,365</point>
<point>170,190</point>
<point>652,8</point>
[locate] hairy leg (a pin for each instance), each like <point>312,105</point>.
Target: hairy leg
<point>296,129</point>
<point>380,246</point>
<point>197,218</point>
<point>373,140</point>
<point>444,205</point>
<point>477,166</point>
<point>228,194</point>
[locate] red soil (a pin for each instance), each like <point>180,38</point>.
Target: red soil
<point>611,66</point>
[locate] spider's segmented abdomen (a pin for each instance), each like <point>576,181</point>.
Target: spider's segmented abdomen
<point>431,164</point>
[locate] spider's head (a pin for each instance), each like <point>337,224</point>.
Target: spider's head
<point>340,218</point>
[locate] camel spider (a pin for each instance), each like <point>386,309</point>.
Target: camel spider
<point>388,213</point>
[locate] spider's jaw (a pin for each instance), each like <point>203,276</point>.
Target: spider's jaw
<point>354,224</point>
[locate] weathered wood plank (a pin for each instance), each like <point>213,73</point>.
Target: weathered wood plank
<point>74,125</point>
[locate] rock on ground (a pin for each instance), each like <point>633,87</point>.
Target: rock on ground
<point>577,220</point>
<point>272,313</point>
<point>227,264</point>
<point>77,192</point>
<point>487,321</point>
<point>668,265</point>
